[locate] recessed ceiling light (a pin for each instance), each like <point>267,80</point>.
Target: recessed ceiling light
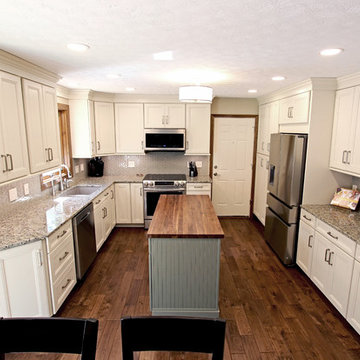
<point>252,91</point>
<point>164,55</point>
<point>78,47</point>
<point>130,89</point>
<point>278,78</point>
<point>113,76</point>
<point>331,52</point>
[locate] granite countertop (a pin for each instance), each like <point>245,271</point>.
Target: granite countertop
<point>199,179</point>
<point>344,220</point>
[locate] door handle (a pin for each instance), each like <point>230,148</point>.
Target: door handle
<point>5,161</point>
<point>11,162</point>
<point>309,241</point>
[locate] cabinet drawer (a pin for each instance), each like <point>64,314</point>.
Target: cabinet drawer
<point>109,192</point>
<point>342,241</point>
<point>58,236</point>
<point>198,186</point>
<point>307,218</point>
<point>61,257</point>
<point>62,287</point>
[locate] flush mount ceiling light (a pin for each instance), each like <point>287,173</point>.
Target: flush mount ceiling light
<point>278,78</point>
<point>196,94</point>
<point>78,47</point>
<point>331,52</point>
<point>113,76</point>
<point>164,56</point>
<point>252,91</point>
<point>130,89</point>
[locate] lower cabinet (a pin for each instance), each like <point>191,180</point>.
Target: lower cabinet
<point>305,247</point>
<point>24,281</point>
<point>353,315</point>
<point>129,203</point>
<point>104,215</point>
<point>198,189</point>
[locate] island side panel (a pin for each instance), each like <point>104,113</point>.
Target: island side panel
<point>184,276</point>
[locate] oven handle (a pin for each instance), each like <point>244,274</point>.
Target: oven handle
<point>180,190</point>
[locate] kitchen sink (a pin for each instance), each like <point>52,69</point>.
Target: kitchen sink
<point>80,190</point>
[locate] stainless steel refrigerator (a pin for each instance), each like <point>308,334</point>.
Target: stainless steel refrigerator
<point>285,185</point>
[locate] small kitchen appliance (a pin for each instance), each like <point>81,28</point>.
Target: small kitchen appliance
<point>192,169</point>
<point>96,167</point>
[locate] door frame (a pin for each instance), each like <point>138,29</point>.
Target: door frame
<point>65,133</point>
<point>212,126</point>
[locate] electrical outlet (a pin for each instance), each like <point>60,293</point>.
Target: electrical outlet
<point>76,169</point>
<point>198,164</point>
<point>81,167</point>
<point>188,164</point>
<point>354,187</point>
<point>13,194</point>
<point>131,163</point>
<point>26,189</point>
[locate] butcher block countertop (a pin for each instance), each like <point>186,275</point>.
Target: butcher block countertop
<point>185,216</point>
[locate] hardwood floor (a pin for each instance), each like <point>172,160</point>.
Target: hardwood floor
<point>272,312</point>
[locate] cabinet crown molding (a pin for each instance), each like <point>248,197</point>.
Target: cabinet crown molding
<point>17,66</point>
<point>348,81</point>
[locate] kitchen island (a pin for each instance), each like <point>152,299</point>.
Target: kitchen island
<point>184,257</point>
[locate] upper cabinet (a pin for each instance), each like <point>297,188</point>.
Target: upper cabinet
<point>164,115</point>
<point>13,146</point>
<point>129,125</point>
<point>268,124</point>
<point>82,123</point>
<point>345,149</point>
<point>197,129</point>
<point>295,109</point>
<point>104,128</point>
<point>42,125</point>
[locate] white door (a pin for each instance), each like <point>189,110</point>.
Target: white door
<point>122,203</point>
<point>154,115</point>
<point>137,203</point>
<point>104,128</point>
<point>232,165</point>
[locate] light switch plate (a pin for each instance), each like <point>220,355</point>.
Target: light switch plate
<point>81,167</point>
<point>26,189</point>
<point>131,164</point>
<point>13,194</point>
<point>76,169</point>
<point>198,164</point>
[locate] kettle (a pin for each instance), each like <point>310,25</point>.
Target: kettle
<point>192,169</point>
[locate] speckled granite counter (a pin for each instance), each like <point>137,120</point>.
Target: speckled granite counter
<point>199,179</point>
<point>343,220</point>
<point>33,219</point>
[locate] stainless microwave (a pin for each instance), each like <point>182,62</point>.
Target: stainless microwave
<point>164,140</point>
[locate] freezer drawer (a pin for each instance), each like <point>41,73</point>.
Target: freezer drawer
<point>282,237</point>
<point>290,214</point>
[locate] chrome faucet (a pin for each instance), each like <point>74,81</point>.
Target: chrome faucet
<point>64,181</point>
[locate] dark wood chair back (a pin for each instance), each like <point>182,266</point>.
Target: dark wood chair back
<point>49,335</point>
<point>172,334</point>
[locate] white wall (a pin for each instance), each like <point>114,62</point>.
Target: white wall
<point>234,106</point>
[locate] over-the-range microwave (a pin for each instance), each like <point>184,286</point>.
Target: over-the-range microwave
<point>164,140</point>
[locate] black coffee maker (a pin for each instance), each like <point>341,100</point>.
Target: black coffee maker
<point>96,167</point>
<point>192,169</point>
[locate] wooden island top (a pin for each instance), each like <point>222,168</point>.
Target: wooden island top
<point>185,216</point>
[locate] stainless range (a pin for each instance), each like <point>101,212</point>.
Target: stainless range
<point>156,184</point>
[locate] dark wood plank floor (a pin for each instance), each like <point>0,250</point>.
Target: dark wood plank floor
<point>272,312</point>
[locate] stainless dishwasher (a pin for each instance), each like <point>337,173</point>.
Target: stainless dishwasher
<point>84,240</point>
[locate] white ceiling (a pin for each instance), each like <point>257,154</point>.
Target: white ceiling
<point>246,41</point>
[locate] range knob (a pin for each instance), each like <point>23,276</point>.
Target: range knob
<point>176,183</point>
<point>146,183</point>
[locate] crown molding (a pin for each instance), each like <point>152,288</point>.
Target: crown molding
<point>348,81</point>
<point>17,66</point>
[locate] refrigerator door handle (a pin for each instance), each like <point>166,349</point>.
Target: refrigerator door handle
<point>272,174</point>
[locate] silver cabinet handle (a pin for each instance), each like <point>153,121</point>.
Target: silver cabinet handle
<point>5,161</point>
<point>343,160</point>
<point>333,236</point>
<point>63,257</point>
<point>198,186</point>
<point>163,120</point>
<point>305,217</point>
<point>106,213</point>
<point>326,253</point>
<point>97,202</point>
<point>103,209</point>
<point>141,191</point>
<point>348,157</point>
<point>98,145</point>
<point>142,144</point>
<point>51,154</point>
<point>187,145</point>
<point>290,112</point>
<point>39,258</point>
<point>167,119</point>
<point>267,164</point>
<point>261,163</point>
<point>112,194</point>
<point>47,154</point>
<point>62,234</point>
<point>66,285</point>
<point>106,194</point>
<point>215,174</point>
<point>11,161</point>
<point>330,263</point>
<point>309,241</point>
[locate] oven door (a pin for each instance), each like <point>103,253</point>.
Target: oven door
<point>151,198</point>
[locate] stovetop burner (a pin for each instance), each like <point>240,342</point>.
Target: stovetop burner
<point>165,177</point>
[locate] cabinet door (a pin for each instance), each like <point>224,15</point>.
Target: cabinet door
<point>104,128</point>
<point>343,127</point>
<point>154,116</point>
<point>129,124</point>
<point>111,205</point>
<point>353,155</point>
<point>320,268</point>
<point>175,116</point>
<point>99,226</point>
<point>341,267</point>
<point>13,145</point>
<point>353,314</point>
<point>305,247</point>
<point>24,271</point>
<point>51,123</point>
<point>294,109</point>
<point>107,217</point>
<point>262,165</point>
<point>137,204</point>
<point>122,203</point>
<point>262,129</point>
<point>197,129</point>
<point>36,134</point>
<point>273,127</point>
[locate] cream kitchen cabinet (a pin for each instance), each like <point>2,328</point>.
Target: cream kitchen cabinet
<point>198,189</point>
<point>104,215</point>
<point>129,203</point>
<point>104,128</point>
<point>42,125</point>
<point>129,125</point>
<point>353,314</point>
<point>305,246</point>
<point>261,182</point>
<point>13,145</point>
<point>164,116</point>
<point>82,124</point>
<point>345,147</point>
<point>294,109</point>
<point>198,129</point>
<point>268,124</point>
<point>24,288</point>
